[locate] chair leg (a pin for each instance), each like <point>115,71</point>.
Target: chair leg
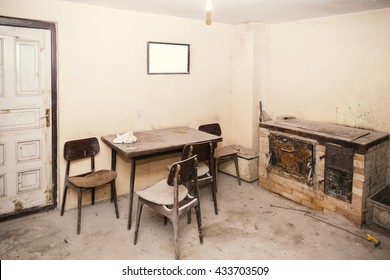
<point>114,198</point>
<point>176,236</point>
<point>63,200</point>
<point>79,203</point>
<point>237,170</point>
<point>214,193</point>
<point>199,220</point>
<point>93,196</point>
<point>139,211</point>
<point>112,192</point>
<point>216,175</point>
<point>189,216</point>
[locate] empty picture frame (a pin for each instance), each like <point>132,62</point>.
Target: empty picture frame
<point>168,58</point>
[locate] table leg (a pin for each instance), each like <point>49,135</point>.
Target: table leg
<point>113,159</point>
<point>131,192</point>
<point>113,167</point>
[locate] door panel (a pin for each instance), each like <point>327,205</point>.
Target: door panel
<point>26,68</point>
<point>16,119</point>
<point>25,139</point>
<point>1,67</point>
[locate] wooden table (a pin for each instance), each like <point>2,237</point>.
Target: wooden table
<point>154,143</point>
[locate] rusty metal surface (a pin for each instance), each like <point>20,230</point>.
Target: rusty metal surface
<point>359,139</point>
<point>292,155</point>
<point>339,157</point>
<point>378,211</point>
<point>338,172</point>
<point>346,132</point>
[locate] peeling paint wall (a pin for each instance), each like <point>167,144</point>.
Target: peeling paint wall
<point>250,70</point>
<point>333,70</point>
<point>242,84</point>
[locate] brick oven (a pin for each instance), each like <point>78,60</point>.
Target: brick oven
<point>323,166</point>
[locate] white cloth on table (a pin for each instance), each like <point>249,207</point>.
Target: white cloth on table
<point>127,137</point>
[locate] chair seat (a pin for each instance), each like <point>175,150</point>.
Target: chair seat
<point>94,179</point>
<point>222,152</point>
<point>161,193</point>
<point>203,169</point>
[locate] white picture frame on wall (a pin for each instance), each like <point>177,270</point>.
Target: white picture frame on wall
<point>168,58</point>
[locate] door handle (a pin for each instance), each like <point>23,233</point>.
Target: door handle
<point>47,117</point>
<point>310,175</point>
<point>287,150</point>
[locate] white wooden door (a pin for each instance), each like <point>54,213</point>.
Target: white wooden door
<point>25,134</point>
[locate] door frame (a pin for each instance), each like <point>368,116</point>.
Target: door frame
<point>51,26</point>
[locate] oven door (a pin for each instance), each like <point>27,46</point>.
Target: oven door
<point>292,155</point>
<point>338,172</point>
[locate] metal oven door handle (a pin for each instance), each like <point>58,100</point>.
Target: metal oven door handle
<point>287,150</point>
<point>310,176</point>
<point>269,166</point>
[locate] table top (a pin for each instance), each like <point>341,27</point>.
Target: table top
<point>160,141</point>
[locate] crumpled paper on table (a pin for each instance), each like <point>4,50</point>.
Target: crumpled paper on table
<point>125,138</point>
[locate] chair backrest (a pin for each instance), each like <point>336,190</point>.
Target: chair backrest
<point>184,171</point>
<point>212,128</point>
<point>82,148</point>
<point>203,151</point>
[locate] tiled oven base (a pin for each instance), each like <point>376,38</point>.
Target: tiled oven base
<point>369,175</point>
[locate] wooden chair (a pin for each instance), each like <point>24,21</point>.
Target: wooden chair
<point>206,171</point>
<point>171,197</point>
<point>221,154</point>
<point>78,150</point>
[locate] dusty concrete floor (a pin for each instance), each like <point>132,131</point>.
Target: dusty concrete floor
<point>247,227</point>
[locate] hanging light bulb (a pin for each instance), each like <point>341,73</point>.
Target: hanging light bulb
<point>209,12</point>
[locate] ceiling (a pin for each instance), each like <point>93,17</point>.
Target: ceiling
<point>241,11</point>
